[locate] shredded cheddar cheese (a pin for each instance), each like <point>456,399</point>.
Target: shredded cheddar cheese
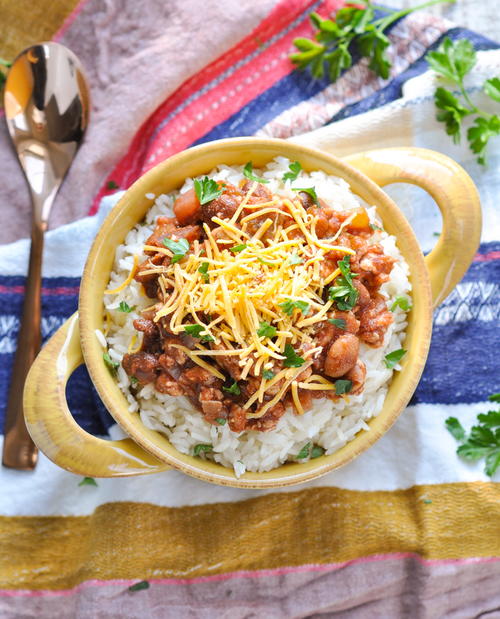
<point>265,265</point>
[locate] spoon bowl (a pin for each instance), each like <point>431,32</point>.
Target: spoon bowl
<point>46,100</point>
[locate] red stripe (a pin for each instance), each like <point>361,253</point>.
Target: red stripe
<point>223,99</point>
<point>46,292</point>
<point>492,255</point>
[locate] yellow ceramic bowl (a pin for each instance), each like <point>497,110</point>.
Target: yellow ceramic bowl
<point>47,415</point>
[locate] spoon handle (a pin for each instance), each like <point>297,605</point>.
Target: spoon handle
<point>19,451</point>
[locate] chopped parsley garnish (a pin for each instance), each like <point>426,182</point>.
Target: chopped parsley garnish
<point>266,330</point>
<point>139,586</point>
<point>292,360</point>
<point>289,305</point>
<point>267,374</point>
<point>344,293</point>
<point>342,386</point>
<point>295,259</point>
<point>125,307</point>
<point>338,322</point>
<point>304,452</point>
<point>294,170</point>
<point>401,302</point>
<point>195,331</point>
<point>178,247</point>
<point>436,234</point>
<point>317,451</point>
<point>248,172</point>
<point>203,269</point>
<point>207,189</point>
<point>312,451</point>
<point>483,441</point>
<point>238,248</point>
<point>133,380</point>
<point>88,481</point>
<point>221,421</point>
<point>375,227</point>
<point>110,364</point>
<point>111,185</point>
<point>310,191</point>
<point>394,357</point>
<point>427,501</point>
<point>234,389</point>
<point>264,261</point>
<point>202,448</point>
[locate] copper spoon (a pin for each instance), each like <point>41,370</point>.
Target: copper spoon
<point>46,103</point>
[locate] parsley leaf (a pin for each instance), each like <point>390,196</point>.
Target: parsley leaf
<point>344,293</point>
<point>338,322</point>
<point>221,421</point>
<point>248,172</point>
<point>401,302</point>
<point>266,330</point>
<point>492,88</point>
<point>195,331</point>
<point>202,448</point>
<point>139,586</point>
<point>450,112</point>
<point>310,191</point>
<point>178,247</point>
<point>207,189</point>
<point>111,185</point>
<point>288,306</point>
<point>394,357</point>
<point>133,381</point>
<point>88,481</point>
<point>455,428</point>
<point>203,269</point>
<point>342,386</point>
<point>234,389</point>
<point>125,307</point>
<point>374,227</point>
<point>480,133</point>
<point>237,248</point>
<point>453,61</point>
<point>110,364</point>
<point>483,440</point>
<point>292,360</point>
<point>317,451</point>
<point>267,374</point>
<point>304,452</point>
<point>295,259</point>
<point>294,170</point>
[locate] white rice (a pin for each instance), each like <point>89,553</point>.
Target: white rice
<point>328,424</point>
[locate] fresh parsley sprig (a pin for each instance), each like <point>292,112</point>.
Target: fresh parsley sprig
<point>453,60</point>
<point>483,441</point>
<point>344,292</point>
<point>353,29</point>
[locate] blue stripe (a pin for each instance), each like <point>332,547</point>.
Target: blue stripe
<point>394,89</point>
<point>462,366</point>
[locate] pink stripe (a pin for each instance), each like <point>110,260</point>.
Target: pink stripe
<point>63,290</point>
<point>69,20</point>
<point>282,571</point>
<point>492,255</point>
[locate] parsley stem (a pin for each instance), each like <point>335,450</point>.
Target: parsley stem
<point>382,23</point>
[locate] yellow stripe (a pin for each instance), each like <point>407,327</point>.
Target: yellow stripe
<point>312,526</point>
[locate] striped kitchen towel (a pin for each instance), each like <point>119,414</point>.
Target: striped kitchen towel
<point>407,529</point>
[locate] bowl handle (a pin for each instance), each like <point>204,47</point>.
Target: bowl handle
<point>455,194</point>
<point>53,428</point>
